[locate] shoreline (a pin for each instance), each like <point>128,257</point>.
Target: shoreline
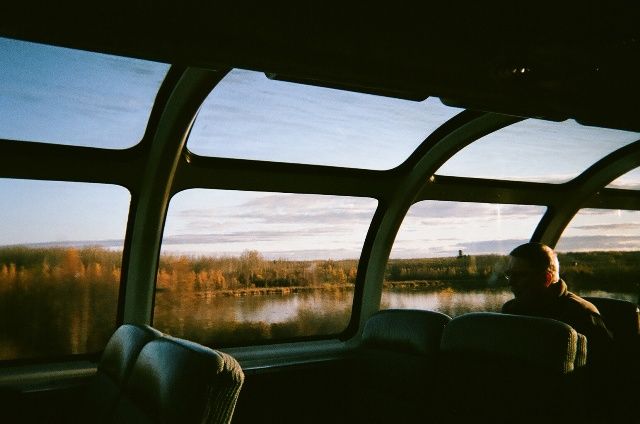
<point>389,285</point>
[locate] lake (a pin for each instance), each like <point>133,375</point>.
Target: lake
<point>229,320</point>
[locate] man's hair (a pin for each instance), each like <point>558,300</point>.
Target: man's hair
<point>539,256</point>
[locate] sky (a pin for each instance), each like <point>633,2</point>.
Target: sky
<point>55,95</point>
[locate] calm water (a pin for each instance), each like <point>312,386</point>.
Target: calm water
<point>220,320</point>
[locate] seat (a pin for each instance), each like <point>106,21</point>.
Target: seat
<point>620,378</point>
<point>396,366</point>
<point>177,381</point>
<point>621,317</point>
<point>507,368</point>
<point>114,368</point>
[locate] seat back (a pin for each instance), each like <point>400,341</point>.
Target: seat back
<point>114,369</point>
<point>620,379</point>
<point>395,367</point>
<point>508,368</point>
<point>621,317</point>
<point>177,381</point>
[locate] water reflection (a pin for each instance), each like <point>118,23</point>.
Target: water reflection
<point>447,301</point>
<point>228,320</point>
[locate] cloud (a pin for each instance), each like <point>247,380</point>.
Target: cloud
<point>587,243</point>
<point>467,210</point>
<point>609,227</point>
<point>247,236</point>
<point>106,244</point>
<point>577,243</point>
<point>280,209</point>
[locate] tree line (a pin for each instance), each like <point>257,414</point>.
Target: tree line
<point>27,267</point>
<point>62,300</point>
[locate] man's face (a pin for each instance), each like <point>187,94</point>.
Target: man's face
<point>526,282</point>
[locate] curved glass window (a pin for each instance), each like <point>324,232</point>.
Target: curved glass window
<point>449,256</point>
<point>602,230</point>
<point>241,268</point>
<point>64,96</point>
<point>628,181</point>
<point>248,116</point>
<point>537,151</point>
<point>599,253</point>
<point>60,261</point>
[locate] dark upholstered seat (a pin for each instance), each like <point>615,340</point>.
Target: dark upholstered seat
<point>617,384</point>
<point>621,317</point>
<point>396,366</point>
<point>508,368</point>
<point>145,376</point>
<point>176,381</point>
<point>114,368</point>
<point>405,330</point>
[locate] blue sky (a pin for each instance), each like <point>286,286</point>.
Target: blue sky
<point>60,96</point>
<point>72,97</point>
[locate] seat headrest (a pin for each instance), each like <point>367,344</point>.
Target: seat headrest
<point>620,316</point>
<point>174,379</point>
<point>545,343</point>
<point>407,330</point>
<point>122,349</point>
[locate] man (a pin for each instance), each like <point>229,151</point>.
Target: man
<point>533,275</point>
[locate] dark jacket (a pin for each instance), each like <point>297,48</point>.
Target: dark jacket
<point>559,303</point>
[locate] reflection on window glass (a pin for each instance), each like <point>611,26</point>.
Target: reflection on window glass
<point>538,151</point>
<point>248,116</point>
<point>449,256</point>
<point>60,260</point>
<point>599,253</point>
<point>247,267</point>
<point>63,96</point>
<point>628,181</point>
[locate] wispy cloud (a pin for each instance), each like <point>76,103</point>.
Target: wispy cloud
<point>106,244</point>
<point>585,243</point>
<point>247,236</point>
<point>269,210</point>
<point>609,227</point>
<point>468,210</point>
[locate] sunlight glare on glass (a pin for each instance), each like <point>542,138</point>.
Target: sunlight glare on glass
<point>248,116</point>
<point>537,151</point>
<point>64,96</point>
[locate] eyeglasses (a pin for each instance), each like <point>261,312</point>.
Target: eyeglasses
<point>511,275</point>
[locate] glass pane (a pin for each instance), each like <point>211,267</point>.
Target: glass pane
<point>448,256</point>
<point>629,181</point>
<point>600,253</point>
<point>538,151</point>
<point>60,260</point>
<point>246,267</point>
<point>248,116</point>
<point>63,96</point>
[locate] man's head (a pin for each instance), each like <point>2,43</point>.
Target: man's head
<point>532,268</point>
